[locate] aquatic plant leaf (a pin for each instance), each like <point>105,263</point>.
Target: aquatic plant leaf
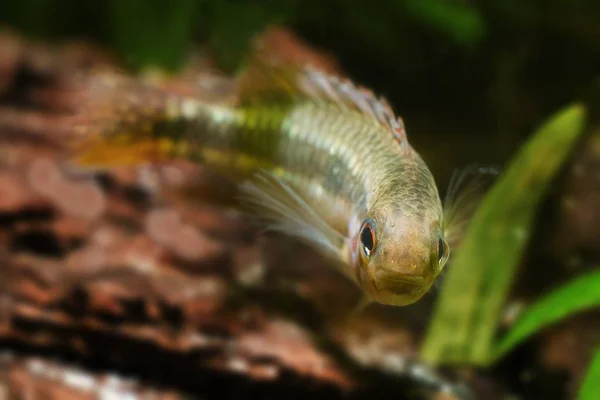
<point>460,21</point>
<point>577,295</point>
<point>477,283</point>
<point>234,24</point>
<point>591,383</point>
<point>152,34</point>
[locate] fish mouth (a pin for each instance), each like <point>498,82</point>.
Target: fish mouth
<point>405,286</point>
<point>390,277</point>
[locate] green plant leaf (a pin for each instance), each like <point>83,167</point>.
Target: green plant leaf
<point>477,283</point>
<point>460,21</point>
<point>153,33</point>
<point>234,25</point>
<point>580,294</point>
<point>590,388</point>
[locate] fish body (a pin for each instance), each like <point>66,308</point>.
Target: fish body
<point>319,158</point>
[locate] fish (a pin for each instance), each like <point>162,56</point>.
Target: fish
<point>317,157</point>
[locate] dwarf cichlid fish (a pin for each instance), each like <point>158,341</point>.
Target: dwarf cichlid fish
<point>318,157</point>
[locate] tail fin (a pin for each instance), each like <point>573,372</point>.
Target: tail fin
<point>115,120</point>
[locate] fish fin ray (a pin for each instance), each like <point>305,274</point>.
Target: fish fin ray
<point>282,209</point>
<point>112,122</point>
<point>268,79</point>
<point>466,189</point>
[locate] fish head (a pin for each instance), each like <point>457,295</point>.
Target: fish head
<point>399,256</point>
<point>399,248</point>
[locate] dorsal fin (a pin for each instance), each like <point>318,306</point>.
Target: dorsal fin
<point>267,80</point>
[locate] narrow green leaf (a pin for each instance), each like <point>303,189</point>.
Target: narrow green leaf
<point>234,24</point>
<point>578,295</point>
<point>462,22</point>
<point>153,33</point>
<point>477,283</point>
<point>590,388</point>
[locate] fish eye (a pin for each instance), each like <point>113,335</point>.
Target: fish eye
<point>442,250</point>
<point>367,238</point>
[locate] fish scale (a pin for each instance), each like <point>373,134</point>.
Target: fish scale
<point>321,159</point>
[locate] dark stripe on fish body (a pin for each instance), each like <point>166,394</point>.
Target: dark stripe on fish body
<point>258,133</point>
<point>315,142</point>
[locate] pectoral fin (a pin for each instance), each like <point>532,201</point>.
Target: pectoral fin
<point>282,209</point>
